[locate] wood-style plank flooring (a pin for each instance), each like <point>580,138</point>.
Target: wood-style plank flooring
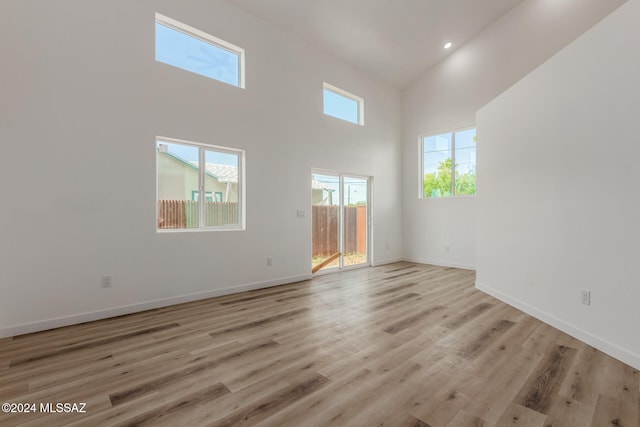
<point>397,345</point>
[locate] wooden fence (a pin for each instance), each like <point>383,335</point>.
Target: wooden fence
<point>179,214</point>
<point>325,229</point>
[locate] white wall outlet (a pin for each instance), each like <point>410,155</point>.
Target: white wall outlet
<point>586,297</point>
<point>300,213</point>
<point>106,280</point>
<point>269,261</point>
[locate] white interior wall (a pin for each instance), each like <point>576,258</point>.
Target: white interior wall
<point>82,102</point>
<point>448,96</point>
<point>558,210</point>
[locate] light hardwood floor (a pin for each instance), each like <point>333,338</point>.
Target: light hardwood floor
<point>397,345</point>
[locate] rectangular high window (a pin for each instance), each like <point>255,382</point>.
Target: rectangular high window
<point>199,186</point>
<point>343,105</point>
<point>193,50</point>
<point>449,163</point>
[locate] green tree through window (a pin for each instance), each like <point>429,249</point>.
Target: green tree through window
<point>441,176</point>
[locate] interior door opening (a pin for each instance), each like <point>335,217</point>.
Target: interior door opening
<point>340,218</point>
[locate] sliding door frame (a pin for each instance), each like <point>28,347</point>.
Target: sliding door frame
<point>341,222</point>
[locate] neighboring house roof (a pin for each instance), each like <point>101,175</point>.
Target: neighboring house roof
<point>223,173</point>
<point>317,185</point>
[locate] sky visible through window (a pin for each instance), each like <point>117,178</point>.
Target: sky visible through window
<point>184,51</point>
<point>355,189</point>
<point>340,106</point>
<point>190,154</point>
<point>466,151</point>
<point>437,149</point>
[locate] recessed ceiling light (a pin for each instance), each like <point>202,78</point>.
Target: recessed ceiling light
<point>447,45</point>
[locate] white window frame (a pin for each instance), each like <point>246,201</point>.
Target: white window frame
<point>346,94</point>
<point>207,38</point>
<point>453,160</point>
<point>202,147</point>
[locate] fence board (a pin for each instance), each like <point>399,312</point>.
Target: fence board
<point>325,229</point>
<point>181,214</point>
<point>362,229</point>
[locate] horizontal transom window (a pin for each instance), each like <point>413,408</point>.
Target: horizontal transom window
<point>343,105</point>
<point>190,49</point>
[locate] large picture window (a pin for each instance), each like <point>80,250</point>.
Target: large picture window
<point>449,163</point>
<point>198,186</point>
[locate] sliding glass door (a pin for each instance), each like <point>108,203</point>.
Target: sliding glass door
<point>340,217</point>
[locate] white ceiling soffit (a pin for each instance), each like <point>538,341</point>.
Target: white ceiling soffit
<point>394,40</point>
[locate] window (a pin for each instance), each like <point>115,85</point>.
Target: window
<point>198,186</point>
<point>190,49</point>
<point>449,163</point>
<point>195,196</point>
<point>343,105</point>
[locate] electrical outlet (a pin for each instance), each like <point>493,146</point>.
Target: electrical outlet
<point>586,297</point>
<point>300,214</point>
<point>269,261</point>
<point>106,281</point>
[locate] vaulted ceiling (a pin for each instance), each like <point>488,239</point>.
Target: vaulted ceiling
<point>395,40</point>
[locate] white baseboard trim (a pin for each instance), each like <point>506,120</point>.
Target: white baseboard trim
<point>75,319</point>
<point>603,345</point>
<point>441,263</point>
